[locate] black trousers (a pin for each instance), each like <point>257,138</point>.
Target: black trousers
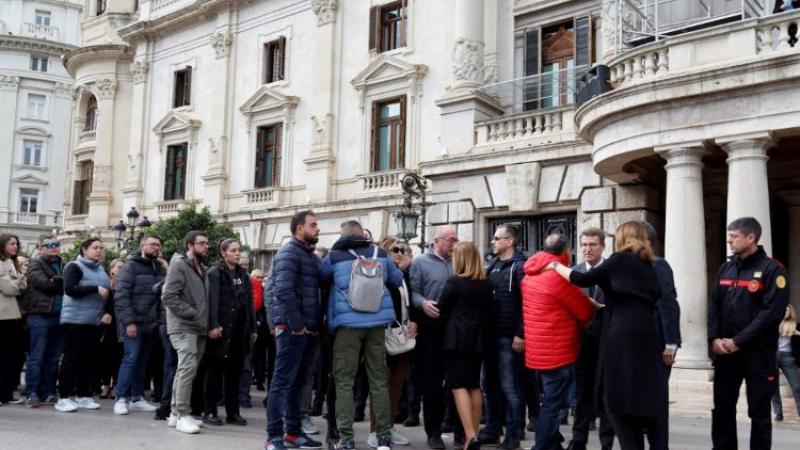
<point>326,348</point>
<point>11,352</point>
<point>430,363</point>
<point>585,407</point>
<point>631,429</point>
<point>758,369</point>
<point>658,434</point>
<point>222,378</point>
<point>259,352</point>
<point>79,363</point>
<point>110,356</point>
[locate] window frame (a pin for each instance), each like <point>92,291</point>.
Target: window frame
<point>182,87</point>
<point>101,7</point>
<point>397,156</point>
<point>40,63</point>
<point>90,117</point>
<point>31,197</point>
<point>276,148</point>
<point>41,16</point>
<point>40,110</point>
<point>36,153</point>
<point>170,169</point>
<point>269,47</point>
<point>378,26</point>
<point>82,187</point>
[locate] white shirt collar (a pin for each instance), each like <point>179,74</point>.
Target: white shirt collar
<point>590,267</point>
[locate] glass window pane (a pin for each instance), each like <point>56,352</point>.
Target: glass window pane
<point>390,110</point>
<point>384,147</point>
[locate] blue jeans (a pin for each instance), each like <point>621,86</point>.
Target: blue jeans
<point>503,368</point>
<point>788,365</point>
<point>170,365</point>
<point>46,346</point>
<point>556,385</point>
<point>293,355</point>
<point>136,351</point>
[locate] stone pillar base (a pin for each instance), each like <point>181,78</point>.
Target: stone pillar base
<point>460,110</point>
<point>692,380</point>
<point>320,175</point>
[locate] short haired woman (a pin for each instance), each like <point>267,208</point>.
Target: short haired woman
<point>465,306</point>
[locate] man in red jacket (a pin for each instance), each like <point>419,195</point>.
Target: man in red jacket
<point>552,311</point>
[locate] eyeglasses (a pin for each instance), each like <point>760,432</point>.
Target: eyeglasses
<point>498,238</point>
<point>52,245</point>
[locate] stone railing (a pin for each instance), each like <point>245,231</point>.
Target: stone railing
<point>529,125</point>
<point>41,31</point>
<point>380,181</point>
<point>169,207</point>
<point>87,136</point>
<point>30,218</point>
<point>260,196</point>
<point>75,220</point>
<point>644,65</point>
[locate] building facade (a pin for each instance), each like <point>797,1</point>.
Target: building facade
<point>257,109</point>
<point>35,121</point>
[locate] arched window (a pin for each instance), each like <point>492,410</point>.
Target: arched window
<point>91,114</point>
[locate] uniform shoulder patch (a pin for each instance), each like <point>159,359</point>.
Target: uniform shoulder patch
<point>780,281</point>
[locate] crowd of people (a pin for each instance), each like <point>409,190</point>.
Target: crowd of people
<point>473,340</point>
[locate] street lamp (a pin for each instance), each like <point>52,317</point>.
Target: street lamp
<point>121,228</point>
<point>409,217</point>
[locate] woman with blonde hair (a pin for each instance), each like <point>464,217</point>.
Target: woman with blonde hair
<point>788,357</point>
<point>629,357</point>
<point>465,306</point>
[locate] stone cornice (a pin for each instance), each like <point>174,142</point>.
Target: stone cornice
<point>60,4</point>
<point>198,10</point>
<point>93,52</point>
<point>29,44</point>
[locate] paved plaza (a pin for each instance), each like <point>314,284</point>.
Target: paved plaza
<point>44,428</point>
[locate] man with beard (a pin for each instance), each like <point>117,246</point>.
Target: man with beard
<point>293,310</point>
<point>186,301</point>
<point>137,308</point>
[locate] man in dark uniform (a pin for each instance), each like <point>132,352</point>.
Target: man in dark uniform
<point>748,303</point>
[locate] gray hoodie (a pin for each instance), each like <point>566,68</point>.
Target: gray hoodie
<point>185,297</point>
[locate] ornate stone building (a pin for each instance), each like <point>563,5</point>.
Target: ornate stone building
<point>35,117</point>
<point>259,108</point>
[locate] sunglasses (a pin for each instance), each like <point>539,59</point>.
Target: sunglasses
<point>398,250</point>
<point>52,245</point>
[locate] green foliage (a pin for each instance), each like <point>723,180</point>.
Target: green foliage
<point>172,231</point>
<point>69,254</point>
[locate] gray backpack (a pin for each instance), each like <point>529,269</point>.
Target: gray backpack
<point>366,283</point>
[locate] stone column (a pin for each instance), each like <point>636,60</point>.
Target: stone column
<point>748,189</point>
<point>792,199</point>
<point>608,26</point>
<point>320,161</point>
<point>134,183</point>
<point>685,247</point>
<point>9,86</point>
<point>101,196</point>
<point>468,49</point>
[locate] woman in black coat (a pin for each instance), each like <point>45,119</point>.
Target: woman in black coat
<point>465,307</point>
<point>232,329</point>
<point>630,355</point>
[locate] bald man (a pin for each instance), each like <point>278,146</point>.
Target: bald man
<point>429,273</point>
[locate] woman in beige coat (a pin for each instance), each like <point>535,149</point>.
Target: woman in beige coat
<point>12,285</point>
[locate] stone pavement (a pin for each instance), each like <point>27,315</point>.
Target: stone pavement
<point>44,428</point>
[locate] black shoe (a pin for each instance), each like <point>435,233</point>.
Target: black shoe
<point>779,418</point>
<point>161,414</point>
<point>358,417</point>
<point>510,444</point>
<point>411,421</point>
<point>474,444</point>
<point>345,445</point>
<point>488,440</point>
<point>435,442</point>
<point>577,446</point>
<point>260,387</point>
<point>236,419</point>
<point>385,442</point>
<point>212,419</point>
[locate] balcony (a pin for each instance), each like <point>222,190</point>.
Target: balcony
<point>31,218</point>
<point>169,207</point>
<point>87,136</point>
<point>726,80</point>
<point>382,181</point>
<point>40,31</point>
<point>75,221</point>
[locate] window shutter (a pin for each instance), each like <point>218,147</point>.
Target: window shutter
<point>401,152</point>
<point>187,87</point>
<point>260,157</point>
<point>374,27</point>
<point>583,41</point>
<point>168,174</point>
<point>532,59</point>
<point>278,151</point>
<point>374,147</point>
<point>281,58</point>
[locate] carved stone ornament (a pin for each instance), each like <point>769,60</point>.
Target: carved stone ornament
<point>106,88</point>
<point>325,10</point>
<point>468,61</point>
<point>63,90</point>
<point>139,70</point>
<point>9,81</point>
<point>610,44</point>
<point>322,130</point>
<point>102,178</point>
<point>221,41</point>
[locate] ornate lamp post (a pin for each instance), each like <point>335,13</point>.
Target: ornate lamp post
<point>408,218</point>
<point>124,239</point>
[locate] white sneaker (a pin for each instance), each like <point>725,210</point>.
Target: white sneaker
<point>87,403</point>
<point>65,405</point>
<point>141,405</point>
<point>185,424</point>
<point>372,440</point>
<point>172,420</point>
<point>307,425</point>
<point>121,407</point>
<point>197,421</point>
<point>399,439</point>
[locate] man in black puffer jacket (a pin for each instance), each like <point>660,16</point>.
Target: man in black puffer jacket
<point>137,307</point>
<point>503,361</point>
